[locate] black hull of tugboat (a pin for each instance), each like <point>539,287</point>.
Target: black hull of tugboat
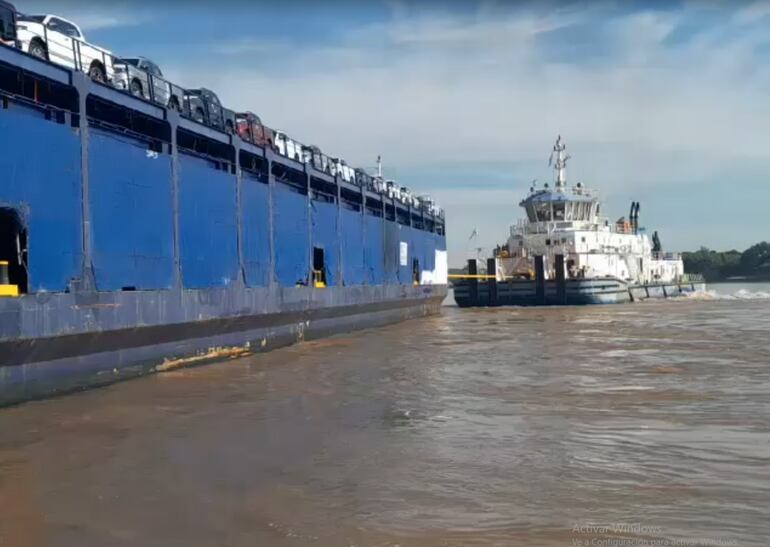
<point>575,292</point>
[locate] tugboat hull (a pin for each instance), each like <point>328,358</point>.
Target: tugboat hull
<point>524,292</point>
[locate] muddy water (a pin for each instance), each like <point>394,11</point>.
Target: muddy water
<point>562,426</point>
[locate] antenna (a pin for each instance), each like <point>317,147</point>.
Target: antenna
<point>561,162</point>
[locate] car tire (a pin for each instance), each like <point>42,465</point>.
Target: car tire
<point>199,116</point>
<point>96,73</point>
<point>229,129</point>
<point>173,104</point>
<point>37,49</point>
<point>135,87</point>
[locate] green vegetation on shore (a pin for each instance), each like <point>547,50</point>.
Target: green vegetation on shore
<point>751,264</point>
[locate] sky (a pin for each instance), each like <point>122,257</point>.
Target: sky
<point>665,103</point>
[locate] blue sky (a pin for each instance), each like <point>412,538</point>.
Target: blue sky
<point>667,103</point>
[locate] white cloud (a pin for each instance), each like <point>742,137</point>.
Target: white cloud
<point>753,12</point>
<point>432,91</point>
<point>98,21</point>
<point>92,17</point>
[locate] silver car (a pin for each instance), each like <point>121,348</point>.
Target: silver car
<point>143,78</point>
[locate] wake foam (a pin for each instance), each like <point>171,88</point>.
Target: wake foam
<point>740,294</point>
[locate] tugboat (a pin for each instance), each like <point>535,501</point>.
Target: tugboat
<point>565,252</point>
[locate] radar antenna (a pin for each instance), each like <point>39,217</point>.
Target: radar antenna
<point>560,165</point>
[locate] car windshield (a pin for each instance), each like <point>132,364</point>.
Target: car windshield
<point>152,68</point>
<point>59,25</point>
<point>131,61</point>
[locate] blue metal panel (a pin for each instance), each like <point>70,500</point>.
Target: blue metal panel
<point>405,270</point>
<point>423,247</point>
<point>325,236</point>
<point>207,224</point>
<point>40,166</point>
<point>416,245</point>
<point>127,101</point>
<point>292,265</point>
<point>132,214</point>
<point>440,242</point>
<point>391,252</point>
<point>200,129</point>
<point>374,250</point>
<point>16,58</point>
<point>256,231</point>
<point>430,250</point>
<point>352,247</point>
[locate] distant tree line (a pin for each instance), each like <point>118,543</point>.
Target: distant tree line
<point>753,263</point>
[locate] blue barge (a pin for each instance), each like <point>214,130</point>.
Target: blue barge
<point>140,240</point>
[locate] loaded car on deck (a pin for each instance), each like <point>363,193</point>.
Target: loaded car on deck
<point>363,179</point>
<point>8,24</point>
<point>251,129</point>
<point>55,39</point>
<point>143,78</point>
<point>286,146</point>
<point>203,106</point>
<point>343,170</point>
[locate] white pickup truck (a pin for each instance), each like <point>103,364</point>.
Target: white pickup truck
<point>288,147</point>
<point>60,41</point>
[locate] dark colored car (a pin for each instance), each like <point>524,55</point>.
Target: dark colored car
<point>8,24</point>
<point>203,106</point>
<point>364,179</point>
<point>314,156</point>
<point>251,129</point>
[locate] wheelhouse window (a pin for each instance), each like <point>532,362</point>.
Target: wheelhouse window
<point>531,214</point>
<point>543,212</point>
<point>559,211</point>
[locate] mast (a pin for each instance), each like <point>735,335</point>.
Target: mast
<point>560,165</point>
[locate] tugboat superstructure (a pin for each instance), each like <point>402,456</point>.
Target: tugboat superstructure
<point>566,252</point>
<point>565,220</point>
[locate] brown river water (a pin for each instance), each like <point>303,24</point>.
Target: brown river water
<point>640,424</point>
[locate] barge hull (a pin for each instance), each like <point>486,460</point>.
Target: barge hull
<point>140,240</point>
<point>40,367</point>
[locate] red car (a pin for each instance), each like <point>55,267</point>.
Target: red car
<point>250,129</point>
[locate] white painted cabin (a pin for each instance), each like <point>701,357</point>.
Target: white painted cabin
<point>567,220</point>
